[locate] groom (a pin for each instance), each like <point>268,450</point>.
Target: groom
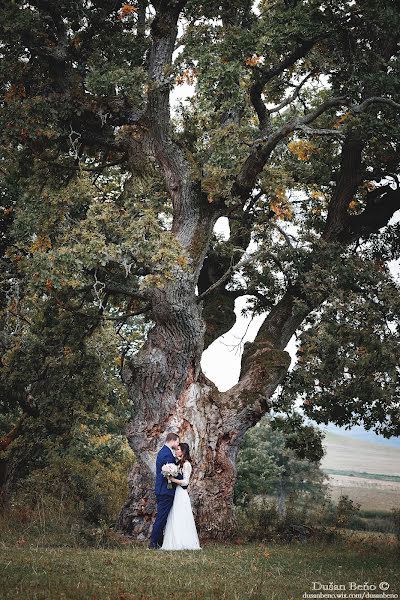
<point>165,496</point>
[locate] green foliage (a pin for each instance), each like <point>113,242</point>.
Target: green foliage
<point>269,463</point>
<point>347,370</point>
<point>261,521</point>
<point>104,79</point>
<point>68,392</point>
<point>345,510</point>
<point>68,488</point>
<point>65,234</point>
<point>89,489</point>
<point>395,515</point>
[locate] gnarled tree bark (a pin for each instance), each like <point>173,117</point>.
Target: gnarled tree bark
<point>168,390</point>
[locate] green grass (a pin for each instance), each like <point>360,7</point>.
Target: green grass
<point>363,475</point>
<point>218,572</point>
<point>375,514</point>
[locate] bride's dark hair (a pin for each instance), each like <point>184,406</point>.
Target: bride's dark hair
<point>186,454</point>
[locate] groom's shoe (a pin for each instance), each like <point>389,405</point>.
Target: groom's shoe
<point>154,547</point>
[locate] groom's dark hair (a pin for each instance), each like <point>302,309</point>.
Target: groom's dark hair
<point>171,436</point>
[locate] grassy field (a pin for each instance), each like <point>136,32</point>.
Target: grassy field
<point>364,475</point>
<point>217,572</point>
<point>371,494</point>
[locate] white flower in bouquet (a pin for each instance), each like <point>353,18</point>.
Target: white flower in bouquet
<point>169,470</point>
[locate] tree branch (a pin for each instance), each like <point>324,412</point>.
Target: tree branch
<point>315,131</point>
<point>263,147</point>
<point>381,205</point>
<point>293,96</point>
<point>242,262</point>
<point>358,108</point>
<point>117,289</point>
<point>350,177</point>
<point>97,169</point>
<point>287,315</point>
<point>101,317</point>
<point>190,224</point>
<point>125,316</point>
<point>284,234</point>
<point>264,76</point>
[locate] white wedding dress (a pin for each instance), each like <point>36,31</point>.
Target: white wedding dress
<point>180,530</point>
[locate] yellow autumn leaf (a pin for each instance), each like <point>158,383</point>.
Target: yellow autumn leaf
<point>182,261</point>
<point>353,204</point>
<point>280,205</point>
<point>42,242</point>
<point>254,60</point>
<point>187,76</point>
<point>127,9</point>
<point>341,120</point>
<point>303,149</point>
<point>316,195</point>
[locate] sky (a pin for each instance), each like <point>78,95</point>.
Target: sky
<point>221,361</point>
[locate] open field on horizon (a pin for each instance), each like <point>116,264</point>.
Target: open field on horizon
<point>350,454</point>
<point>371,494</point>
<point>362,458</point>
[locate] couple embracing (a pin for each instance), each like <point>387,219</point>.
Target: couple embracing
<point>174,527</point>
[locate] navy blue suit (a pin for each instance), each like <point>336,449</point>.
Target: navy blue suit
<point>165,496</point>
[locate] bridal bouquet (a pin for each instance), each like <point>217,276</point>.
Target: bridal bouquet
<point>169,470</point>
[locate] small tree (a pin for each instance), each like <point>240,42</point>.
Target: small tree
<point>268,464</point>
<point>346,508</point>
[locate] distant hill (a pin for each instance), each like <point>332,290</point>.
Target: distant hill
<point>359,433</point>
<point>345,453</point>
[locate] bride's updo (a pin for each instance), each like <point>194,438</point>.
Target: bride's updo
<point>186,454</point>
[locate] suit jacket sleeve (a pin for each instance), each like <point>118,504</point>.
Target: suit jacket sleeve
<point>164,457</point>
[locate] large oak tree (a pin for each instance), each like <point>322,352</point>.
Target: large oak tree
<point>110,199</point>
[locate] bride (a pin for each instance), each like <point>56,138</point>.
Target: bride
<point>180,530</point>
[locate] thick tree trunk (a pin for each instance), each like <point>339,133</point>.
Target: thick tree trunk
<point>281,498</point>
<point>164,380</point>
<point>170,393</point>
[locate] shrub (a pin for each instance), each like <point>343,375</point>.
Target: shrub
<point>346,509</point>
